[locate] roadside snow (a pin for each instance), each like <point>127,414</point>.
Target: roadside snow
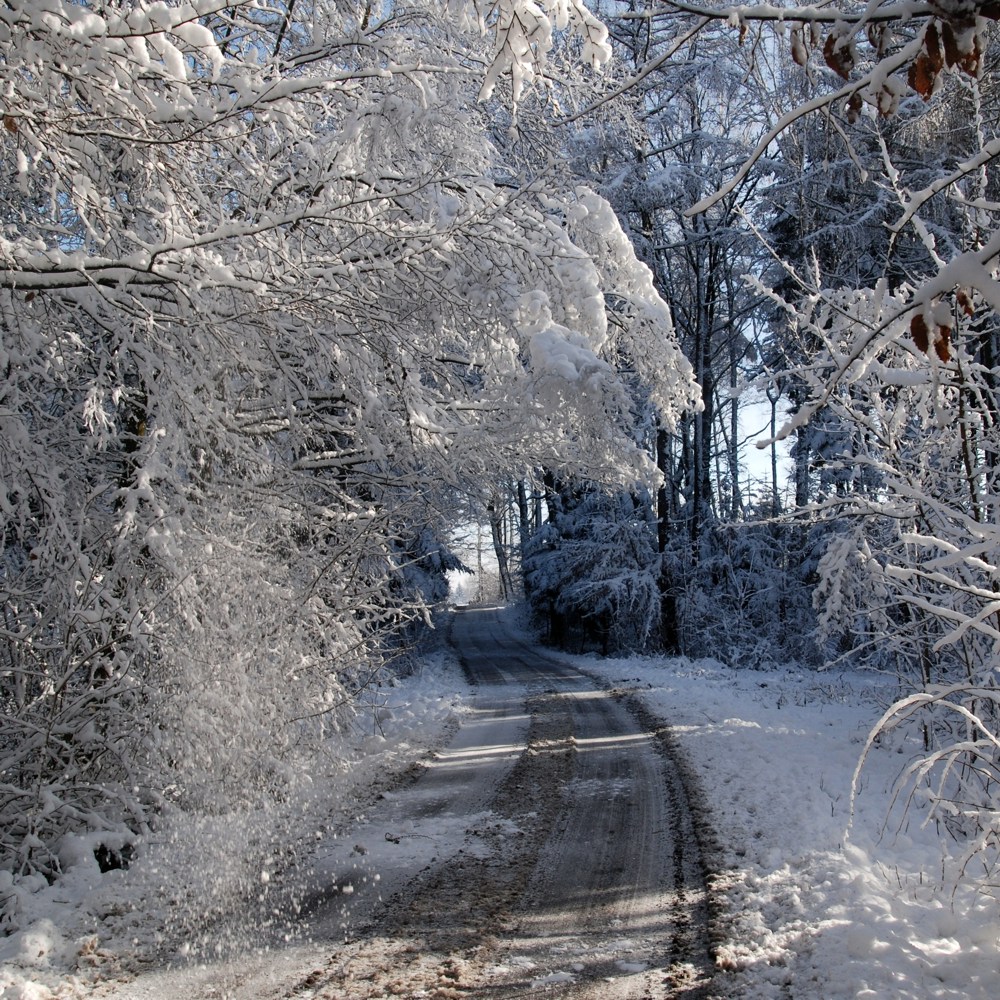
<point>810,909</point>
<point>185,900</point>
<point>807,910</point>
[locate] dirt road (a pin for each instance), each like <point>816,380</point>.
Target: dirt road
<point>547,851</point>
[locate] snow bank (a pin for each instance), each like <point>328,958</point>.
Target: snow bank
<point>193,892</point>
<point>808,907</point>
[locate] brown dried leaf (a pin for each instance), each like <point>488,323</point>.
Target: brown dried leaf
<point>952,53</point>
<point>837,53</point>
<point>10,124</point>
<point>887,99</point>
<point>854,104</point>
<point>932,46</point>
<point>965,303</point>
<point>919,332</point>
<point>922,75</point>
<point>942,343</point>
<point>969,62</point>
<point>878,38</point>
<point>961,51</point>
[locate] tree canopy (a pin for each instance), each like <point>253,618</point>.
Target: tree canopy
<point>283,285</point>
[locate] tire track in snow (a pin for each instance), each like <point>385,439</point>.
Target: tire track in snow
<point>586,879</point>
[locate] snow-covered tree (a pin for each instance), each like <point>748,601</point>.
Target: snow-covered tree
<point>268,290</point>
<point>592,570</point>
<point>888,280</point>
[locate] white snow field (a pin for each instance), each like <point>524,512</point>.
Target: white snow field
<point>804,907</point>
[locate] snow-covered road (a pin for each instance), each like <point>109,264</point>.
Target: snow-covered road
<point>563,855</point>
<point>547,850</point>
<point>518,837</point>
<point>610,899</point>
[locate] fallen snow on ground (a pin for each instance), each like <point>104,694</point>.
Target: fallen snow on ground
<point>185,900</point>
<point>812,909</point>
<point>806,909</point>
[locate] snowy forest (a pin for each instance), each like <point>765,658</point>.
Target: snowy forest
<point>692,308</point>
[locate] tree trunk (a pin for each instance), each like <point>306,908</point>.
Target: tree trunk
<point>500,550</point>
<point>669,627</point>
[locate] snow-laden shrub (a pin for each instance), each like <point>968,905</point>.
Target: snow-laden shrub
<point>592,571</point>
<point>910,580</point>
<point>951,779</point>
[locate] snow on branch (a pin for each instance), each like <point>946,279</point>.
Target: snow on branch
<point>906,45</point>
<point>524,35</point>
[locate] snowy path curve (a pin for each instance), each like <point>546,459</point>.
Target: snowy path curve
<point>547,851</point>
<point>580,875</point>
